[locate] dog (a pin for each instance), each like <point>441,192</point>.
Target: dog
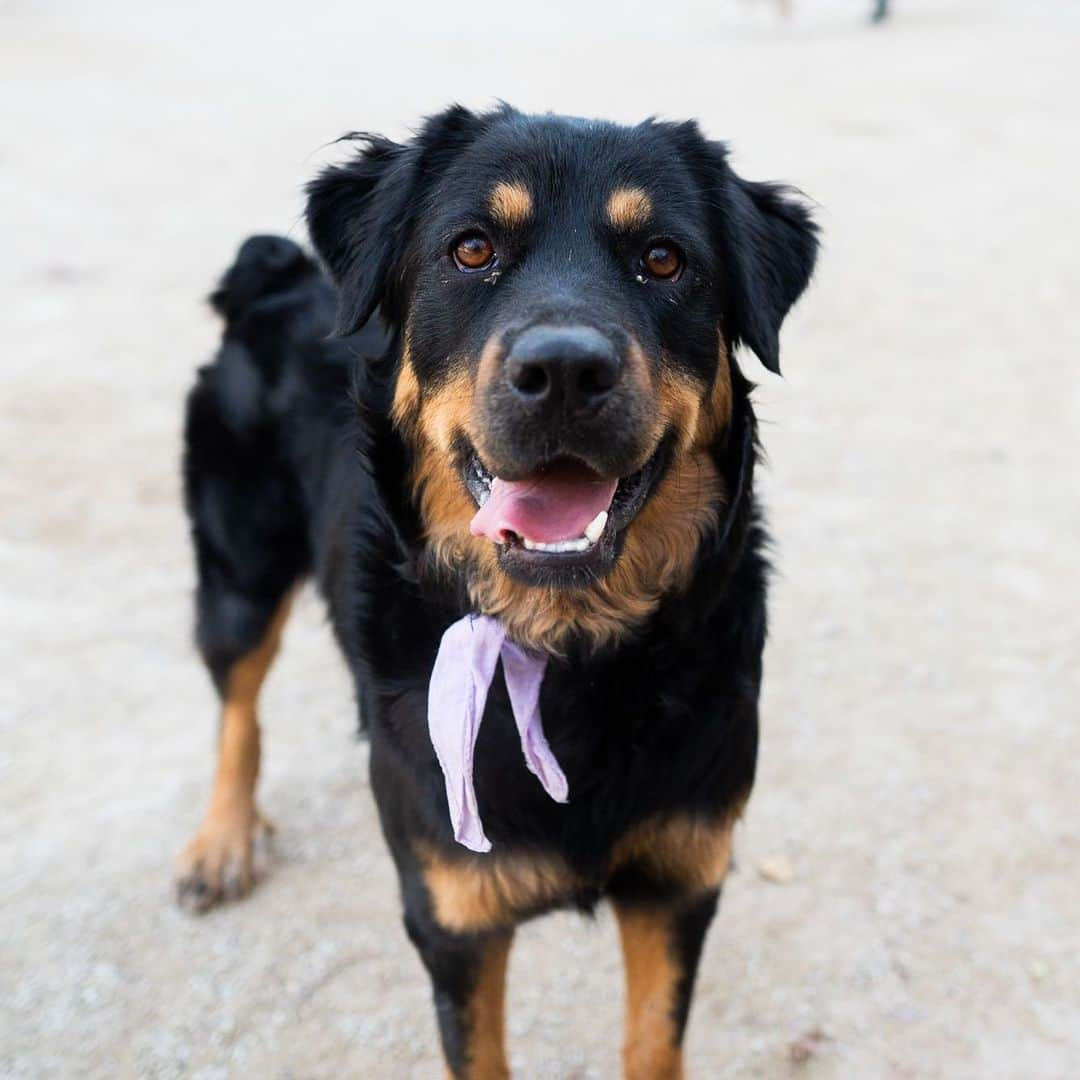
<point>509,404</point>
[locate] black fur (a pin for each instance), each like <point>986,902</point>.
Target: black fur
<point>293,467</point>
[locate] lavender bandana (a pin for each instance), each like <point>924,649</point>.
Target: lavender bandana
<point>463,671</point>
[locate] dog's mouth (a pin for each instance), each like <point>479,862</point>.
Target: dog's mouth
<point>562,523</point>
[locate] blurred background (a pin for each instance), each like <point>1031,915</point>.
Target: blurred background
<point>906,893</point>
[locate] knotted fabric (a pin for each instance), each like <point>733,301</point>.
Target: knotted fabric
<point>463,671</point>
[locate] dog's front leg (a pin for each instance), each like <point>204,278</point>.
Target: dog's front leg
<point>468,976</point>
<point>661,943</point>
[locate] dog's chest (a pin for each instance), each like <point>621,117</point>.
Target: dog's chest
<point>633,748</point>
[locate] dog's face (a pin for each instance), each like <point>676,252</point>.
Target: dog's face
<point>567,295</point>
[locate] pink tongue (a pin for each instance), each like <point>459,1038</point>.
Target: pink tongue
<point>554,504</point>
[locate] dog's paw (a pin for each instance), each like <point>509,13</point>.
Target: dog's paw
<point>220,861</point>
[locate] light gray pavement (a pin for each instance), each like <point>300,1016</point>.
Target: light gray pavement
<point>920,761</point>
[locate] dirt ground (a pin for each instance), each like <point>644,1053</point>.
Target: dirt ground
<point>920,760</point>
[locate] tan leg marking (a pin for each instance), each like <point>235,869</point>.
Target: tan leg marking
<point>218,862</point>
<point>651,1050</point>
<point>693,853</point>
<point>486,1018</point>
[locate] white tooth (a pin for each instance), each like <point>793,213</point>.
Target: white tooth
<point>596,527</point>
<point>559,547</point>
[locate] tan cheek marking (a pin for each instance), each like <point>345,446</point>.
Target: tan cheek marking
<point>663,539</point>
<point>448,411</point>
<point>697,417</point>
<point>640,374</point>
<point>467,897</point>
<point>445,507</point>
<point>716,414</point>
<point>629,209</point>
<point>490,364</point>
<point>679,397</point>
<point>510,204</point>
<point>406,404</point>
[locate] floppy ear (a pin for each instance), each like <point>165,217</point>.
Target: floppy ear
<point>766,241</point>
<point>770,246</point>
<point>360,214</point>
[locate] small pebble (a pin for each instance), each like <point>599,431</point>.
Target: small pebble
<point>806,1045</point>
<point>776,868</point>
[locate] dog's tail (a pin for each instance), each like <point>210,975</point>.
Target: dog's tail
<point>267,273</point>
<point>275,296</point>
<point>278,307</point>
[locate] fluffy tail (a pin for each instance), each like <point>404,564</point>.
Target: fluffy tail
<point>264,266</point>
<point>278,308</point>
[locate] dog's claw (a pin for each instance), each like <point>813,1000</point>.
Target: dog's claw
<point>193,895</point>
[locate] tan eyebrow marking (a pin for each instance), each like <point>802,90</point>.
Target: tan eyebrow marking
<point>629,208</point>
<point>510,204</point>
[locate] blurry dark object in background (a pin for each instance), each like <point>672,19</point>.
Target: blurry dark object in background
<point>878,14</point>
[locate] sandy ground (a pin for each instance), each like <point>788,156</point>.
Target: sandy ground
<point>921,758</point>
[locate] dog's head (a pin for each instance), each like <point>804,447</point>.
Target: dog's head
<point>567,295</point>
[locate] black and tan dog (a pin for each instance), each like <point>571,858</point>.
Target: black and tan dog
<point>549,305</point>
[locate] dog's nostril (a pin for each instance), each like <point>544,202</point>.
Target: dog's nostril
<point>531,380</point>
<point>597,379</point>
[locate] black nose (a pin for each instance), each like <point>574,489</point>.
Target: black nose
<point>567,368</point>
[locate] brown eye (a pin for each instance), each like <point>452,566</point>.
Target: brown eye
<point>473,251</point>
<point>662,260</point>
